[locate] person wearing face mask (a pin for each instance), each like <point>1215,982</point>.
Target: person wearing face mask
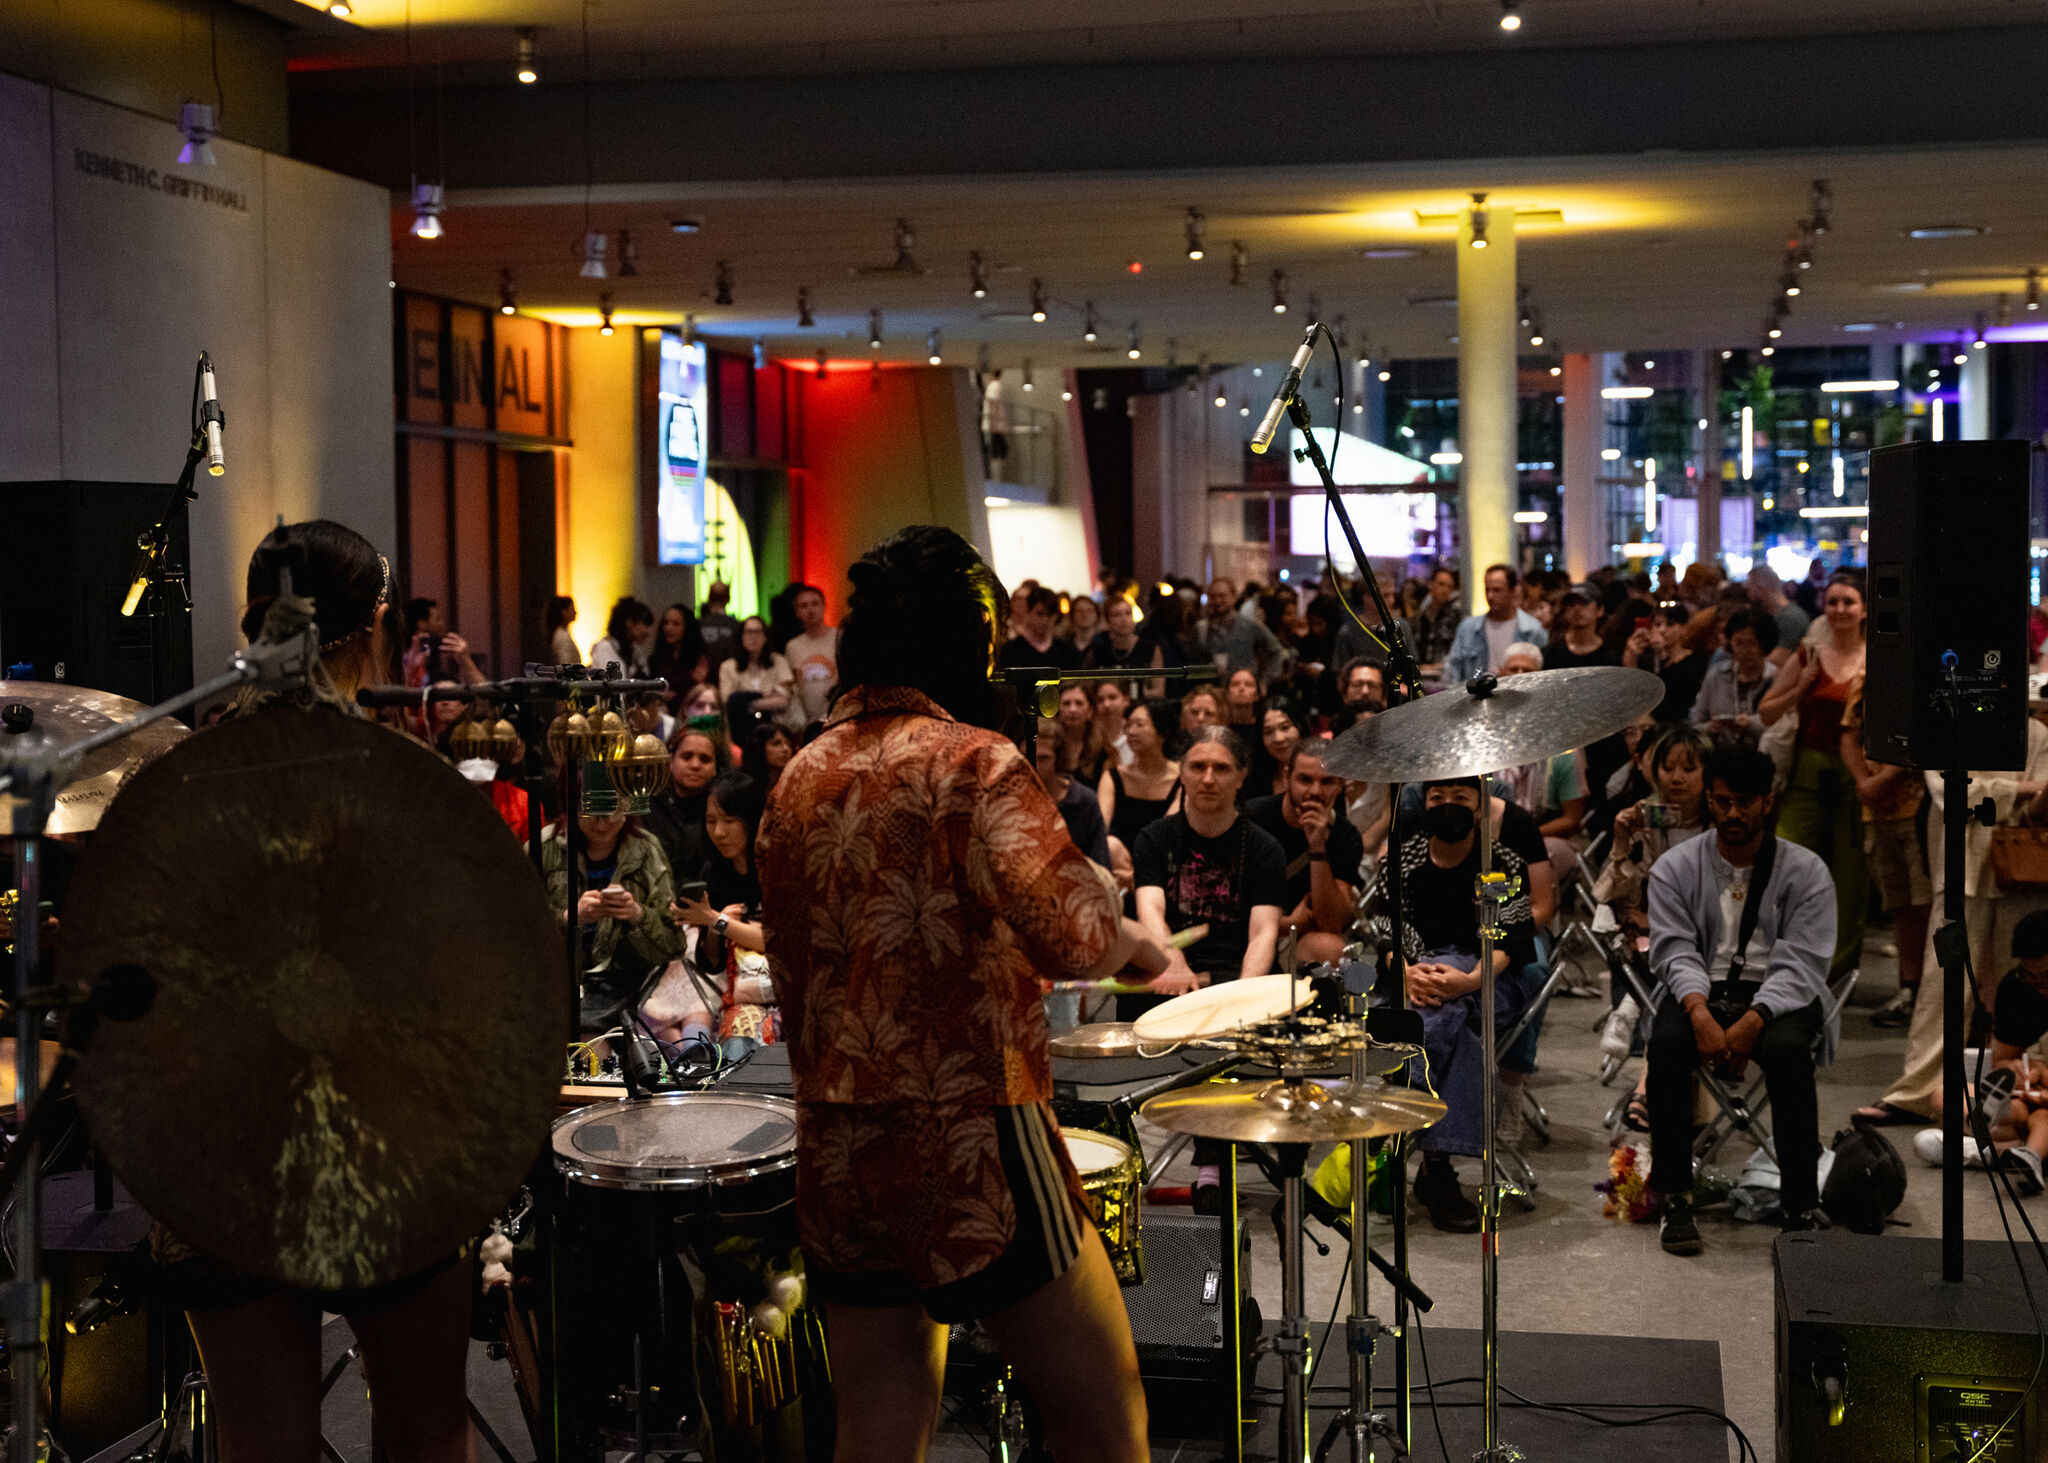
<point>1741,927</point>
<point>1440,929</point>
<point>1323,853</point>
<point>696,754</point>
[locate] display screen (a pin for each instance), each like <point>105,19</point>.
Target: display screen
<point>681,450</point>
<point>1387,524</point>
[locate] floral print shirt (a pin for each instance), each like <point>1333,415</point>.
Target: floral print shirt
<point>917,883</point>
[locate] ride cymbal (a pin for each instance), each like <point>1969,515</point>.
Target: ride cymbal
<point>69,714</point>
<point>356,1039</point>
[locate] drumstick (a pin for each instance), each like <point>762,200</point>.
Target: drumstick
<point>1179,941</point>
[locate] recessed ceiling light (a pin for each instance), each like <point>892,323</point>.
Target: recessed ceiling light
<point>1902,287</point>
<point>1392,252</point>
<point>686,225</point>
<point>1860,327</point>
<point>1946,231</point>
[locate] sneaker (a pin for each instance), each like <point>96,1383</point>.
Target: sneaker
<point>1510,1121</point>
<point>1993,1093</point>
<point>1811,1219</point>
<point>2024,1164</point>
<point>1928,1144</point>
<point>1898,1011</point>
<point>1208,1198</point>
<point>1450,1210</point>
<point>1677,1233</point>
<point>1620,1032</point>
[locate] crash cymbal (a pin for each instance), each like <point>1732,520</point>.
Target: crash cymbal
<point>70,714</point>
<point>1098,1039</point>
<point>1458,733</point>
<point>1214,1010</point>
<point>354,1049</point>
<point>1293,1112</point>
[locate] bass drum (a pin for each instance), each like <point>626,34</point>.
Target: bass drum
<point>679,1285</point>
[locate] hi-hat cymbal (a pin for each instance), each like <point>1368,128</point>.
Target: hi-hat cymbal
<point>69,714</point>
<point>1457,733</point>
<point>361,1007</point>
<point>1098,1039</point>
<point>1293,1112</point>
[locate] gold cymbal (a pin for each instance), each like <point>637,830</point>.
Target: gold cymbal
<point>1293,1112</point>
<point>354,1050</point>
<point>1098,1039</point>
<point>72,713</point>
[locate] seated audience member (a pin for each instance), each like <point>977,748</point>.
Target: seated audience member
<point>695,755</point>
<point>1281,725</point>
<point>1119,644</point>
<point>624,891</point>
<point>1742,926</point>
<point>1079,808</point>
<point>1433,630</point>
<point>2014,1096</point>
<point>1440,925</point>
<point>768,751</point>
<point>1369,805</point>
<point>1208,865</point>
<point>1675,763</point>
<point>726,912</point>
<point>702,703</point>
<point>1141,791</point>
<point>1577,640</point>
<point>1362,692</point>
<point>1112,701</point>
<point>677,654</point>
<point>756,671</point>
<point>1323,853</point>
<point>1081,754</point>
<point>1241,697</point>
<point>1201,707</point>
<point>1084,623</point>
<point>1621,782</point>
<point>1726,705</point>
<point>628,639</point>
<point>433,652</point>
<point>1032,641</point>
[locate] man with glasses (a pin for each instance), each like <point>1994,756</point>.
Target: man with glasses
<point>1742,927</point>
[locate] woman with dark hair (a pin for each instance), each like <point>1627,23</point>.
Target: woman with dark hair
<point>767,752</point>
<point>628,638</point>
<point>917,883</point>
<point>623,889</point>
<point>761,672</point>
<point>1666,642</point>
<point>259,1342</point>
<point>1142,790</point>
<point>696,754</point>
<point>678,653</point>
<point>728,913</point>
<point>1281,728</point>
<point>561,614</point>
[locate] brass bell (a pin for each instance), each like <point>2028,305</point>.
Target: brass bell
<point>506,747</point>
<point>469,739</point>
<point>570,737</point>
<point>642,772</point>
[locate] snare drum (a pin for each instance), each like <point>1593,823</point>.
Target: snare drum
<point>1112,1180</point>
<point>677,1234</point>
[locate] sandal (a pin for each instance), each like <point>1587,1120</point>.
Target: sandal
<point>1636,1116</point>
<point>1887,1115</point>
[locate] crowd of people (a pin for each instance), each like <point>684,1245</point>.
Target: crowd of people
<point>1207,801</point>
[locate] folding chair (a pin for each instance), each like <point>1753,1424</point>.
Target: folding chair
<point>1743,1111</point>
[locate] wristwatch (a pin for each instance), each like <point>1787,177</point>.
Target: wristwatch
<point>1763,1012</point>
<point>719,928</point>
<point>1319,858</point>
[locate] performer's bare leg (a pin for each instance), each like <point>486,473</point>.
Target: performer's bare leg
<point>417,1358</point>
<point>888,1372</point>
<point>262,1363</point>
<point>1070,1345</point>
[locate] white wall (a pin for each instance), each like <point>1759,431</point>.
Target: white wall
<point>110,287</point>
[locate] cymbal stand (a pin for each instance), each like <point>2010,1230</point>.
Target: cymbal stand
<point>1494,890</point>
<point>32,771</point>
<point>1292,1343</point>
<point>1404,683</point>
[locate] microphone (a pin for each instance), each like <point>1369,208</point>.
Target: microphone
<point>211,419</point>
<point>1270,423</point>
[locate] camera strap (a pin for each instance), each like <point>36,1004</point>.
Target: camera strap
<point>1752,905</point>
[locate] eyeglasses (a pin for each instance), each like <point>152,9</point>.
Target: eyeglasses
<point>1746,801</point>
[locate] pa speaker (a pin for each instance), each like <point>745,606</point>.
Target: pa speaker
<point>1946,681</point>
<point>1882,1361</point>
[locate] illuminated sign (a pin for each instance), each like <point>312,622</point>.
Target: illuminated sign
<point>681,451</point>
<point>1390,525</point>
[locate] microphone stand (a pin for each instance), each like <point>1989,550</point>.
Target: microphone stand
<point>155,574</point>
<point>1361,1329</point>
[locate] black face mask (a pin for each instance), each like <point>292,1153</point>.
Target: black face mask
<point>1448,822</point>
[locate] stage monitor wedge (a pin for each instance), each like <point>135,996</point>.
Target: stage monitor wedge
<point>1948,577</point>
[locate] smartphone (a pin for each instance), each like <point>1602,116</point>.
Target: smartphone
<point>1642,622</point>
<point>691,889</point>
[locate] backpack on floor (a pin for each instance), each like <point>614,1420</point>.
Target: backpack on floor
<point>1866,1182</point>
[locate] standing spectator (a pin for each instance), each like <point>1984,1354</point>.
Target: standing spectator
<point>1482,640</point>
<point>1434,630</point>
<point>433,652</point>
<point>628,638</point>
<point>1732,689</point>
<point>1767,590</point>
<point>1034,642</point>
<point>695,757</point>
<point>561,644</point>
<point>1812,591</point>
<point>760,673</point>
<point>1891,798</point>
<point>1664,642</point>
<point>1740,929</point>
<point>1084,623</point>
<point>678,654</point>
<point>1440,930</point>
<point>1820,810</point>
<point>716,626</point>
<point>1236,641</point>
<point>1577,641</point>
<point>1322,852</point>
<point>813,653</point>
<point>1316,655</point>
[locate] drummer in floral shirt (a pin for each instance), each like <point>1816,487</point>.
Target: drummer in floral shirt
<point>917,884</point>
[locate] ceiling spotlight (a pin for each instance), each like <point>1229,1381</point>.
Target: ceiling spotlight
<point>1557,370</point>
<point>932,354</point>
<point>821,363</point>
<point>629,255</point>
<point>2004,315</point>
<point>723,296</point>
<point>1029,384</point>
<point>522,56</point>
<point>977,276</point>
<point>1358,408</point>
<point>1279,292</point>
<point>1038,301</point>
<point>195,120</point>
<point>593,256</point>
<point>1222,400</point>
<point>1510,16</point>
<point>689,328</point>
<point>1066,395</point>
<point>1649,365</point>
<point>1802,257</point>
<point>2033,289</point>
<point>1386,375</point>
<point>508,293</point>
<point>874,330</point>
<point>1536,339</point>
<point>1961,358</point>
<point>1789,283</point>
<point>1343,340</point>
<point>426,211</point>
<point>1769,350</point>
<point>1131,342</point>
<point>1478,217</point>
<point>1818,205</point>
<point>804,319</point>
<point>1727,355</point>
<point>906,240</point>
<point>686,225</point>
<point>604,313</point>
<point>1315,307</point>
<point>338,10</point>
<point>1240,265</point>
<point>1195,225</point>
<point>1088,320</point>
<point>1772,330</point>
<point>1244,408</point>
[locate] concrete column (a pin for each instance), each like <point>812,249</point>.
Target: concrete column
<point>1585,504</point>
<point>1488,335</point>
<point>1974,407</point>
<point>1706,390</point>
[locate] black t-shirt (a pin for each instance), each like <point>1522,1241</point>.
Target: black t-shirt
<point>1442,913</point>
<point>2021,1017</point>
<point>1345,848</point>
<point>1021,652</point>
<point>1557,656</point>
<point>1213,881</point>
<point>1082,813</point>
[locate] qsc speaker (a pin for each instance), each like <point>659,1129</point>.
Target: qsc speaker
<point>1946,681</point>
<point>1882,1361</point>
